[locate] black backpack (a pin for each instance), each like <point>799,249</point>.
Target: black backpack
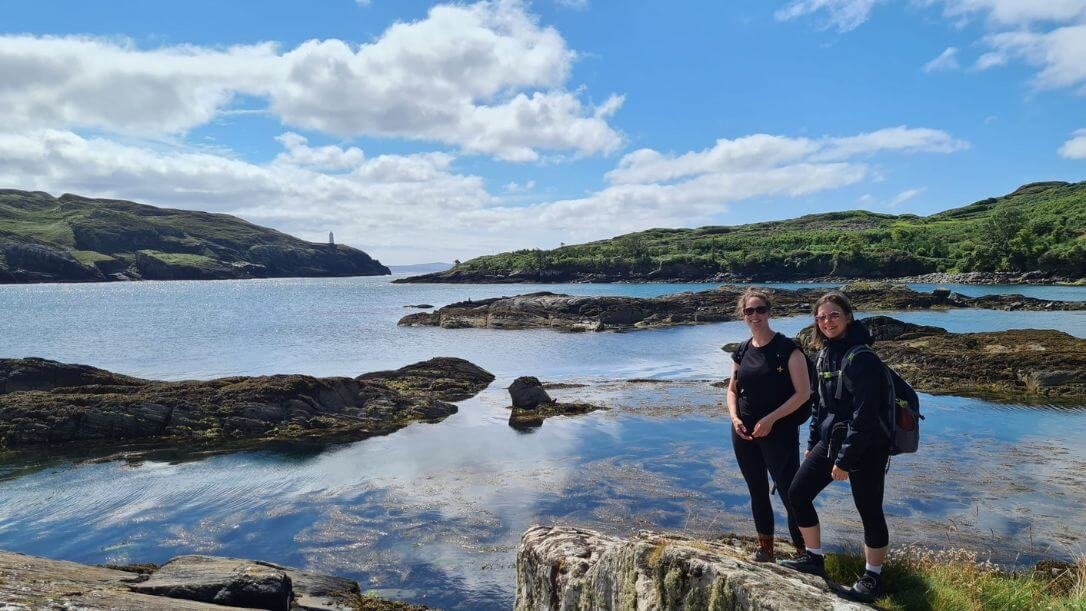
<point>803,412</point>
<point>902,422</point>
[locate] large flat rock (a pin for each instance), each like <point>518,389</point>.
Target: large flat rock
<point>566,568</point>
<point>44,402</point>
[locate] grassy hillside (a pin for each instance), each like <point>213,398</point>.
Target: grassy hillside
<point>73,238</point>
<point>1041,226</point>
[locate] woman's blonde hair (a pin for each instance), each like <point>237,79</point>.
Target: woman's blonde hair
<point>818,338</point>
<point>751,293</point>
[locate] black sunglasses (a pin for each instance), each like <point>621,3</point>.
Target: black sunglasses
<point>759,309</point>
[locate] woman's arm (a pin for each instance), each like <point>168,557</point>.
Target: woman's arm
<point>867,385</point>
<point>801,384</point>
<point>733,405</point>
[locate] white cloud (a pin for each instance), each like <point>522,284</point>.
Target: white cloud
<point>1075,148</point>
<point>767,151</point>
<point>905,196</point>
<point>486,78</point>
<point>1016,12</point>
<point>417,207</point>
<point>844,15</point>
<point>578,5</point>
<point>947,60</point>
<point>1061,54</point>
<point>516,187</point>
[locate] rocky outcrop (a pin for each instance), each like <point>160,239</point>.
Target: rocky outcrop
<point>46,403</point>
<point>1021,365</point>
<point>527,392</point>
<point>184,583</point>
<point>565,568</point>
<point>532,405</point>
<point>573,313</point>
<point>77,239</point>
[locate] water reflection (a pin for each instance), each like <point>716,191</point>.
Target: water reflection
<point>433,512</point>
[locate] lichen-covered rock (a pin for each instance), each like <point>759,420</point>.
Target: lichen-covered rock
<point>45,403</point>
<point>223,581</point>
<point>566,568</point>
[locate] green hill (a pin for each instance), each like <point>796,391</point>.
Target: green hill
<point>77,239</point>
<point>1041,226</point>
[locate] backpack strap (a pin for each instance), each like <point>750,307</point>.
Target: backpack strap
<point>843,380</point>
<point>740,352</point>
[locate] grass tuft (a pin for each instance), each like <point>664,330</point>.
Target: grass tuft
<point>921,579</point>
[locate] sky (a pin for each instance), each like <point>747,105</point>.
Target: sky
<point>423,132</point>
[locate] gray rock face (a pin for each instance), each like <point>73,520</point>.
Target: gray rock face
<point>223,581</point>
<point>527,392</point>
<point>184,583</point>
<point>565,568</point>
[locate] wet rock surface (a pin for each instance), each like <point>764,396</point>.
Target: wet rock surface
<point>609,313</point>
<point>572,568</point>
<point>186,582</point>
<point>47,403</point>
<point>532,405</point>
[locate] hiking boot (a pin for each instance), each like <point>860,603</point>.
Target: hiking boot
<point>868,587</point>
<point>760,555</point>
<point>764,552</point>
<point>812,564</point>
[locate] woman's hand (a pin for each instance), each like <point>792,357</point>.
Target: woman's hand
<point>839,474</point>
<point>806,453</point>
<point>763,426</point>
<point>740,429</point>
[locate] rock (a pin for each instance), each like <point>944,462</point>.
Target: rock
<point>421,306</point>
<point>730,347</point>
<point>183,583</point>
<point>527,392</point>
<point>545,310</point>
<point>530,418</point>
<point>445,378</point>
<point>566,568</point>
<point>47,403</point>
<point>884,328</point>
<point>223,581</point>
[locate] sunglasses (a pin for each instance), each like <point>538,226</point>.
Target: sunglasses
<point>759,309</point>
<point>825,317</point>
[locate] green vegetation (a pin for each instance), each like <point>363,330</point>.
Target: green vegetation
<point>72,238</point>
<point>918,579</point>
<point>1041,226</point>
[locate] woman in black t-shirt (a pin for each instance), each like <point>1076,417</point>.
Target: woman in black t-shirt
<point>769,383</point>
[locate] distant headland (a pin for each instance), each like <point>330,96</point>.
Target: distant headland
<point>78,239</point>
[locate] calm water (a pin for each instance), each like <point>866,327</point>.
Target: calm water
<point>432,513</point>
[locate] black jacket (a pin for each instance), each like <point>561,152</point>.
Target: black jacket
<point>860,406</point>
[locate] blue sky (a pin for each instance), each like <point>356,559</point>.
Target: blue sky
<point>420,131</point>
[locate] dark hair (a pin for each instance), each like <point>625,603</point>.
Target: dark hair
<point>836,298</point>
<point>751,293</point>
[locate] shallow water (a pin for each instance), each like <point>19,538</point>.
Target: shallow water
<point>432,513</point>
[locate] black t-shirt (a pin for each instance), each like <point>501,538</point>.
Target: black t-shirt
<point>763,379</point>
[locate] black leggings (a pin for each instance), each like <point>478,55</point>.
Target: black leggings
<point>777,453</point>
<point>867,483</point>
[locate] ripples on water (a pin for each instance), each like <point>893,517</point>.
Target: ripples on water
<point>432,514</point>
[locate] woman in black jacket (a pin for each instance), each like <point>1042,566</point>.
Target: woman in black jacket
<point>769,383</point>
<point>847,441</point>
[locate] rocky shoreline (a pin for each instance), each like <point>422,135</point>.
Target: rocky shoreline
<point>183,583</point>
<point>546,310</point>
<point>1025,366</point>
<point>46,403</point>
<point>694,276</point>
